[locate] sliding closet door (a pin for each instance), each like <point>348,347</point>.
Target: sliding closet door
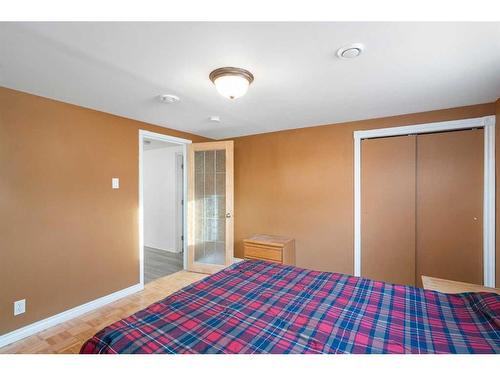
<point>388,209</point>
<point>450,206</point>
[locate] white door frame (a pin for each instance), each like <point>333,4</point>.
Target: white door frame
<point>164,138</point>
<point>488,123</point>
<point>179,200</point>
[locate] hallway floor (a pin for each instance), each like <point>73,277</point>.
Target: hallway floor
<point>159,263</point>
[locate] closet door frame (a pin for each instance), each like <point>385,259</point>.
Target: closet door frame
<point>488,124</point>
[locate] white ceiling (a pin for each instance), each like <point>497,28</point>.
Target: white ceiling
<point>121,68</point>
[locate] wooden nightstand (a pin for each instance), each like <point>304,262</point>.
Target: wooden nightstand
<point>276,249</point>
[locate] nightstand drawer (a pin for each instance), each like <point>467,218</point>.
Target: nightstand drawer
<point>276,249</point>
<point>263,253</point>
<point>267,260</point>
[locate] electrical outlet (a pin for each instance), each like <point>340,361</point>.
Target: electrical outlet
<point>115,183</point>
<point>19,307</point>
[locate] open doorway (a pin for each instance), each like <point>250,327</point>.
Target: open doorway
<point>162,219</point>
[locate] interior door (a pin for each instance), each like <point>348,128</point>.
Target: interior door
<point>388,209</point>
<point>210,206</point>
<point>450,206</point>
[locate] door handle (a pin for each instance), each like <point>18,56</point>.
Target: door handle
<point>228,215</point>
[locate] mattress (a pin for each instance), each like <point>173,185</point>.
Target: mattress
<point>263,307</point>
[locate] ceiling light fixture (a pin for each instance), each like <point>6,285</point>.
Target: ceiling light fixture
<point>231,82</point>
<point>350,51</point>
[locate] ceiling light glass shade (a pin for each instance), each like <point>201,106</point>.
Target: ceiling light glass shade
<point>232,87</point>
<point>231,83</point>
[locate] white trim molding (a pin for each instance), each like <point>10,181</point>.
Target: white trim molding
<point>488,123</point>
<point>41,325</point>
<point>489,204</point>
<point>164,138</point>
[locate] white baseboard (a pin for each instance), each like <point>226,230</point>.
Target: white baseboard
<point>36,327</point>
<point>163,249</point>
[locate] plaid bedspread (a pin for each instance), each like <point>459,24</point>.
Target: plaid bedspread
<point>261,307</point>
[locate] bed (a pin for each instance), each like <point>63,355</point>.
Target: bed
<point>263,307</point>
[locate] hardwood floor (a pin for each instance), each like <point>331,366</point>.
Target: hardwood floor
<point>68,337</point>
<point>159,263</point>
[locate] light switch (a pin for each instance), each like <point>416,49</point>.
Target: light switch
<point>115,183</point>
<point>19,307</point>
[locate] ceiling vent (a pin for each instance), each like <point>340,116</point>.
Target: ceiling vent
<point>168,98</point>
<point>350,51</point>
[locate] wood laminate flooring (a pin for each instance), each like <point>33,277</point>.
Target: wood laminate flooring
<point>68,337</point>
<point>159,263</point>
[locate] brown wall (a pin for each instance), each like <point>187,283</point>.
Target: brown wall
<point>299,183</point>
<point>66,237</point>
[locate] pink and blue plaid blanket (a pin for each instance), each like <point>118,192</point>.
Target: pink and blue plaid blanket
<point>262,307</point>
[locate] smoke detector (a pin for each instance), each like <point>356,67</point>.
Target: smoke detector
<point>350,51</point>
<point>214,119</point>
<point>169,98</point>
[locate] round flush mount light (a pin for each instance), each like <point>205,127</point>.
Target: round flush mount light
<point>231,82</point>
<point>169,98</point>
<point>350,51</point>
